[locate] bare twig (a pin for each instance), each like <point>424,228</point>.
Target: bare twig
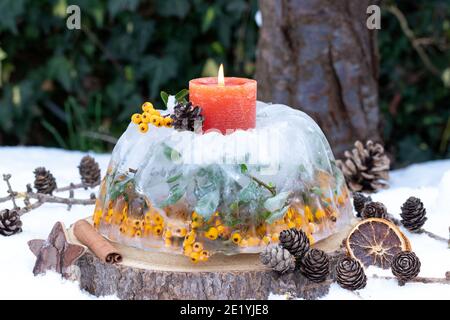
<point>12,194</point>
<point>4,199</point>
<point>41,197</point>
<point>417,279</point>
<point>71,196</point>
<point>432,235</point>
<point>30,207</point>
<point>412,38</point>
<point>71,187</point>
<point>420,231</point>
<point>272,189</point>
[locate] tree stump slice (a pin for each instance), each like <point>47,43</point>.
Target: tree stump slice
<point>151,275</point>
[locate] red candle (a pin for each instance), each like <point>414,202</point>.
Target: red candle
<point>227,103</point>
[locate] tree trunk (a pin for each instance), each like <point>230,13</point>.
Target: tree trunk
<point>319,56</point>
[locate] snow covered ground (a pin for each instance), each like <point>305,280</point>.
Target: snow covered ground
<point>428,181</point>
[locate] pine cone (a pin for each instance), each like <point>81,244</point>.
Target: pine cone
<point>277,258</point>
<point>187,118</point>
<point>350,275</point>
<point>10,222</point>
<point>359,200</point>
<point>374,210</point>
<point>295,241</point>
<point>315,265</point>
<point>405,265</point>
<point>365,168</point>
<point>413,214</point>
<point>44,182</point>
<point>89,172</point>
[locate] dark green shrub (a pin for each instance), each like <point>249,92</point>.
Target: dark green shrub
<point>62,87</point>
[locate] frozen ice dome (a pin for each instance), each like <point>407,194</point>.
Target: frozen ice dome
<point>167,190</point>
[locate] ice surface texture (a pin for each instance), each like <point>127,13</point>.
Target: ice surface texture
<point>167,190</point>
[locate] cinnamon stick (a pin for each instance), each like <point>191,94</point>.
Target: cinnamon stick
<point>87,235</point>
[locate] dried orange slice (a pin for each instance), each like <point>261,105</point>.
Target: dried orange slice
<point>376,241</point>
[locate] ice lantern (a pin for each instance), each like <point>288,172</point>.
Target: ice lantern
<point>200,194</point>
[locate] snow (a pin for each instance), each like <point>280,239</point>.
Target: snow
<point>428,181</point>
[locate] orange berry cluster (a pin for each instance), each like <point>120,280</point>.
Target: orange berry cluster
<point>150,116</point>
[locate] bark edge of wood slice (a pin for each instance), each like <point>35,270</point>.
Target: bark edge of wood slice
<point>148,275</point>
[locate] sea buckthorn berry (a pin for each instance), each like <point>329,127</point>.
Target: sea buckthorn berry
<point>146,117</point>
<point>290,213</point>
<point>136,118</point>
<point>148,230</point>
<point>275,237</point>
<point>138,223</point>
<point>138,233</point>
<point>159,122</point>
<point>204,255</point>
<point>147,106</point>
<point>312,227</point>
<point>311,238</point>
<point>220,230</point>
<point>291,225</point>
<point>253,241</point>
<point>107,219</point>
<point>308,214</point>
<point>143,127</point>
<point>298,221</point>
<point>168,242</point>
<point>266,239</point>
<point>340,200</point>
<point>243,243</point>
<point>157,219</point>
<point>195,257</point>
<point>190,238</point>
<point>212,233</point>
<point>180,232</point>
<point>153,119</point>
<point>197,247</point>
<point>168,121</point>
<point>157,230</point>
<point>154,112</point>
<point>320,214</point>
<point>236,238</point>
<point>187,250</point>
<point>168,234</point>
<point>123,229</point>
<point>195,214</point>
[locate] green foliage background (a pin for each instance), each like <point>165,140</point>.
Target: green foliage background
<point>77,89</point>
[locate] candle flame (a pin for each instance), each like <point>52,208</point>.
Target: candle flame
<point>220,76</point>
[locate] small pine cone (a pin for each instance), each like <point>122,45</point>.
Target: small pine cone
<point>44,182</point>
<point>350,275</point>
<point>405,266</point>
<point>374,210</point>
<point>315,265</point>
<point>277,258</point>
<point>89,172</point>
<point>10,222</point>
<point>186,117</point>
<point>359,200</point>
<point>413,214</point>
<point>366,167</point>
<point>295,241</point>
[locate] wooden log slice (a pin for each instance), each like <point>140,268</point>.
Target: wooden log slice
<point>151,275</point>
